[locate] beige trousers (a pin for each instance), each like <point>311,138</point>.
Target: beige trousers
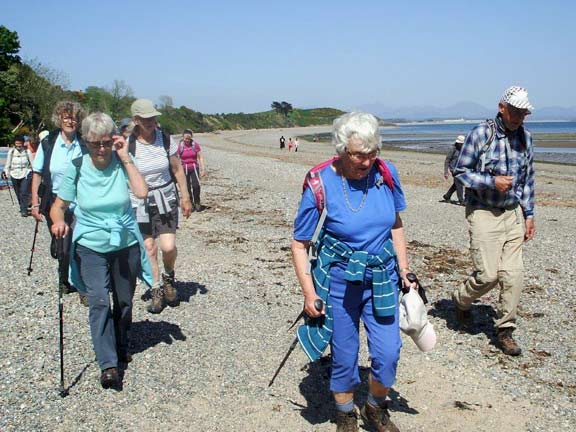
<point>496,239</point>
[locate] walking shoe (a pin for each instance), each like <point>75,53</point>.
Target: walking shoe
<point>67,288</point>
<point>507,342</point>
<point>378,418</point>
<point>83,299</point>
<point>197,207</point>
<point>347,421</point>
<point>464,317</point>
<point>446,198</point>
<point>170,292</point>
<point>110,378</point>
<point>157,303</point>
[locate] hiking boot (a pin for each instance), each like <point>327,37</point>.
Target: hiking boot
<point>157,303</point>
<point>446,198</point>
<point>347,421</point>
<point>378,418</point>
<point>464,317</point>
<point>83,299</point>
<point>197,207</point>
<point>507,342</point>
<point>67,288</point>
<point>170,292</point>
<point>110,378</point>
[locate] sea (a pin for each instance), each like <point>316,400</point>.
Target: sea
<point>438,137</point>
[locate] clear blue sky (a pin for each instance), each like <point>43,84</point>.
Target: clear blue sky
<point>231,56</point>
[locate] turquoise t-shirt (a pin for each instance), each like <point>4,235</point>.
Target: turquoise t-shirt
<point>100,194</point>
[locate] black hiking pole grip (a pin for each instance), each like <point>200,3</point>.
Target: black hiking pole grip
<point>33,247</point>
<point>421,292</point>
<point>60,251</point>
<point>318,305</point>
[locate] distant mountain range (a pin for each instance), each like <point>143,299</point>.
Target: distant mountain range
<point>465,110</point>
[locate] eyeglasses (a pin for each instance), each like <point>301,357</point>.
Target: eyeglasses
<point>69,120</point>
<point>97,144</point>
<point>360,157</point>
<point>518,112</point>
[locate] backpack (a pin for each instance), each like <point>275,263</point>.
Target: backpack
<point>313,180</point>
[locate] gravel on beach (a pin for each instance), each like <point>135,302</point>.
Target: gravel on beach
<point>205,364</point>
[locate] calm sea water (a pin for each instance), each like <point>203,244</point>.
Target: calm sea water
<point>439,137</point>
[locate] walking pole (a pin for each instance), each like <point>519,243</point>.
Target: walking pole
<point>60,252</point>
<point>33,247</point>
<point>319,305</point>
<point>9,190</point>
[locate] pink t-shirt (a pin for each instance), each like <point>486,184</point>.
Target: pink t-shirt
<point>189,154</point>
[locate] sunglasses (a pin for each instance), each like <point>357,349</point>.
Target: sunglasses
<point>97,144</point>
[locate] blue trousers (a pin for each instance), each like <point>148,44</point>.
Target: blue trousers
<point>102,274</point>
<point>350,302</point>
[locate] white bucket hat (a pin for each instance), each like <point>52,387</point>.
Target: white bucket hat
<point>414,321</point>
<point>517,97</point>
<point>460,139</point>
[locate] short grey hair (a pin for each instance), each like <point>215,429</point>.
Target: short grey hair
<point>72,109</point>
<point>97,125</point>
<point>359,125</point>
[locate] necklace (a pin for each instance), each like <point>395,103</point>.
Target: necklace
<point>364,195</point>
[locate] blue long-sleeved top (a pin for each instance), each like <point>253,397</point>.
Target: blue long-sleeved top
<point>510,154</point>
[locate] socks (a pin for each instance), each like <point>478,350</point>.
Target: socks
<point>345,407</point>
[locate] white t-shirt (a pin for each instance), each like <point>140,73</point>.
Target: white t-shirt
<point>153,164</point>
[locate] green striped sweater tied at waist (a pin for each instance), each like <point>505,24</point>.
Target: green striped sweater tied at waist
<point>315,335</point>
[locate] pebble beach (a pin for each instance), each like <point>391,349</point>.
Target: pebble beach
<point>205,364</point>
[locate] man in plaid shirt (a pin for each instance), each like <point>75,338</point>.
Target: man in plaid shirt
<point>496,165</point>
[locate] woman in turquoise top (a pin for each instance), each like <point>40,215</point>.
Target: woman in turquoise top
<point>107,249</point>
<point>361,261</point>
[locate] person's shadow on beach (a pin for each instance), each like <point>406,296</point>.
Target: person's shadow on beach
<point>187,289</point>
<point>147,334</point>
<point>483,317</point>
<point>315,388</point>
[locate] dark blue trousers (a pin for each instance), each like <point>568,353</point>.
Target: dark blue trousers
<point>104,274</point>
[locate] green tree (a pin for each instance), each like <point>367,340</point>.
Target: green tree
<point>9,47</point>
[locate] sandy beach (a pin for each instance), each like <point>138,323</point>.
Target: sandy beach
<point>205,365</point>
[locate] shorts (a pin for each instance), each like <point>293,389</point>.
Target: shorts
<point>159,224</point>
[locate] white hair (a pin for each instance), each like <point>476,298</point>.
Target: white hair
<point>97,125</point>
<point>362,126</point>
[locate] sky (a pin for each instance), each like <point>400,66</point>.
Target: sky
<point>240,56</point>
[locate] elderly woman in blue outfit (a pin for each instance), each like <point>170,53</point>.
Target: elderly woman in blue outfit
<point>108,252</point>
<point>361,260</point>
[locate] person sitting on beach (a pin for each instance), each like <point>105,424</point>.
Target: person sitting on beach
<point>18,169</point>
<point>56,152</point>
<point>361,260</point>
<point>193,163</point>
<point>496,164</point>
<point>449,164</point>
<point>107,250</point>
<point>156,157</point>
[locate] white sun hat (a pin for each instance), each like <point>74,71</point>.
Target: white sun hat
<point>460,139</point>
<point>517,97</point>
<point>414,321</point>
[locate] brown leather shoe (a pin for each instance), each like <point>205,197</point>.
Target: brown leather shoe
<point>170,292</point>
<point>507,342</point>
<point>347,422</point>
<point>157,303</point>
<point>110,378</point>
<point>378,418</point>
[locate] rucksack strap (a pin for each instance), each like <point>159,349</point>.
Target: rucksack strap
<point>492,126</point>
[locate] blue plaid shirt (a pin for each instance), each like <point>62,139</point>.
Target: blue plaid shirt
<point>506,156</point>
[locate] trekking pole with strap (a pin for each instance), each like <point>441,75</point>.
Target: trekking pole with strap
<point>9,190</point>
<point>319,305</point>
<point>60,253</point>
<point>33,247</point>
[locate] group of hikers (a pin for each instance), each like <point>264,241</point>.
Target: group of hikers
<point>112,200</point>
<point>293,143</point>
